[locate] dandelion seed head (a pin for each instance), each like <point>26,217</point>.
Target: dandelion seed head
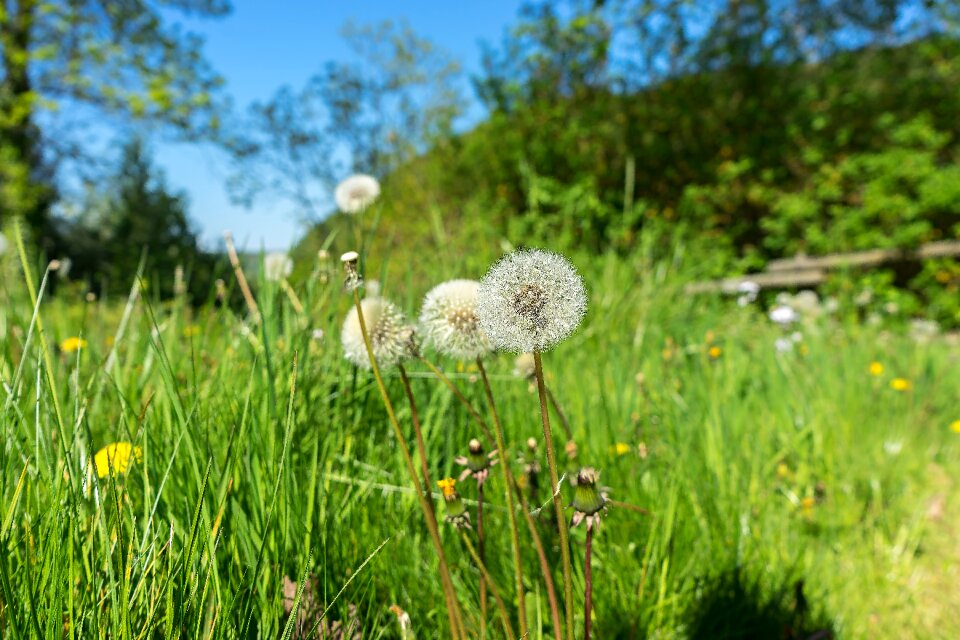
<point>356,193</point>
<point>530,301</point>
<point>449,322</point>
<point>783,315</point>
<point>277,266</point>
<point>390,334</point>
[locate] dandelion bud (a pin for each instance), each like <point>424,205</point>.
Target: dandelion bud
<point>589,500</point>
<point>477,462</point>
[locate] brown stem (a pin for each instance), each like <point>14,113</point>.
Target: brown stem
<point>507,627</point>
<point>241,279</point>
<point>563,418</point>
<point>588,588</point>
<point>511,512</point>
<point>415,418</point>
<point>483,583</point>
<point>453,607</point>
<point>557,500</point>
<point>463,400</point>
<point>544,564</point>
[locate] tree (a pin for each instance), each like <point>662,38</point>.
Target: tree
<point>136,212</point>
<point>370,116</point>
<point>92,58</point>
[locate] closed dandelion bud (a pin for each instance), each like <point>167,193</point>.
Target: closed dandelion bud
<point>390,336</point>
<point>589,500</point>
<point>477,462</point>
<point>457,513</point>
<point>530,301</point>
<point>351,280</point>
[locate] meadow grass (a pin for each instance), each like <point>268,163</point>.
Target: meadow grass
<point>787,492</point>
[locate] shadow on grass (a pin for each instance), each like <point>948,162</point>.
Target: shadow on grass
<point>734,606</point>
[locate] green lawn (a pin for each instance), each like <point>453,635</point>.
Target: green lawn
<point>790,494</point>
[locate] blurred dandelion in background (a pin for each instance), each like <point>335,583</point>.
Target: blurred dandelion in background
<point>448,320</point>
<point>390,334</point>
<point>356,193</point>
<point>277,266</point>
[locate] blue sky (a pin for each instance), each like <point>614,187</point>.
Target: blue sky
<point>264,44</point>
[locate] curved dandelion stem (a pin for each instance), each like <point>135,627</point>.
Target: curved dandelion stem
<point>557,500</point>
<point>462,398</point>
<point>507,627</point>
<point>511,512</point>
<point>453,607</point>
<point>415,418</point>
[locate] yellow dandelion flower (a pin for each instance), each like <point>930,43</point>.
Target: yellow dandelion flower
<point>714,352</point>
<point>804,349</point>
<point>900,384</point>
<point>116,458</point>
<point>621,448</point>
<point>876,368</point>
<point>955,426</point>
<point>783,471</point>
<point>191,331</point>
<point>448,486</point>
<point>71,345</point>
<point>808,503</point>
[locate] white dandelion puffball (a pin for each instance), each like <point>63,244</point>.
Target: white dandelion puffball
<point>783,315</point>
<point>530,301</point>
<point>356,193</point>
<point>277,266</point>
<point>390,334</point>
<point>448,320</point>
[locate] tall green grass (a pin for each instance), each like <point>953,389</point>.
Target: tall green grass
<point>785,490</point>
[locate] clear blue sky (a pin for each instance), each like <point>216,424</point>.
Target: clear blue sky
<point>264,44</point>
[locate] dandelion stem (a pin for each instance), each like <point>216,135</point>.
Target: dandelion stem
<point>560,414</point>
<point>483,583</point>
<point>415,418</point>
<point>453,607</point>
<point>557,500</point>
<point>463,399</point>
<point>511,512</point>
<point>544,564</point>
<point>588,585</point>
<point>292,296</point>
<point>507,627</point>
<point>241,279</point>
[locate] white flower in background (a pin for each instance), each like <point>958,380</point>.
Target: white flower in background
<point>317,334</point>
<point>390,334</point>
<point>923,330</point>
<point>748,290</point>
<point>277,266</point>
<point>524,366</point>
<point>783,345</point>
<point>893,447</point>
<point>448,319</point>
<point>864,298</point>
<point>783,315</point>
<point>796,336</point>
<point>807,303</point>
<point>530,300</point>
<point>356,193</point>
<point>372,288</point>
<point>891,308</point>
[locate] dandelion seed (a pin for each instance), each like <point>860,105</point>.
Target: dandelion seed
<point>71,345</point>
<point>900,384</point>
<point>876,369</point>
<point>356,193</point>
<point>277,266</point>
<point>390,334</point>
<point>448,320</point>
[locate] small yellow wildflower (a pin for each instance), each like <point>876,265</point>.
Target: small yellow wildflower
<point>900,384</point>
<point>191,330</point>
<point>807,505</point>
<point>876,369</point>
<point>714,352</point>
<point>783,471</point>
<point>955,426</point>
<point>804,349</point>
<point>115,458</point>
<point>668,354</point>
<point>621,448</point>
<point>448,486</point>
<point>71,345</point>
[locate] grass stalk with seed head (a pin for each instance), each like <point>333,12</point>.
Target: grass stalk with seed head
<point>241,278</point>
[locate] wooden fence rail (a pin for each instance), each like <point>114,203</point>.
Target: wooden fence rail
<point>807,271</point>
